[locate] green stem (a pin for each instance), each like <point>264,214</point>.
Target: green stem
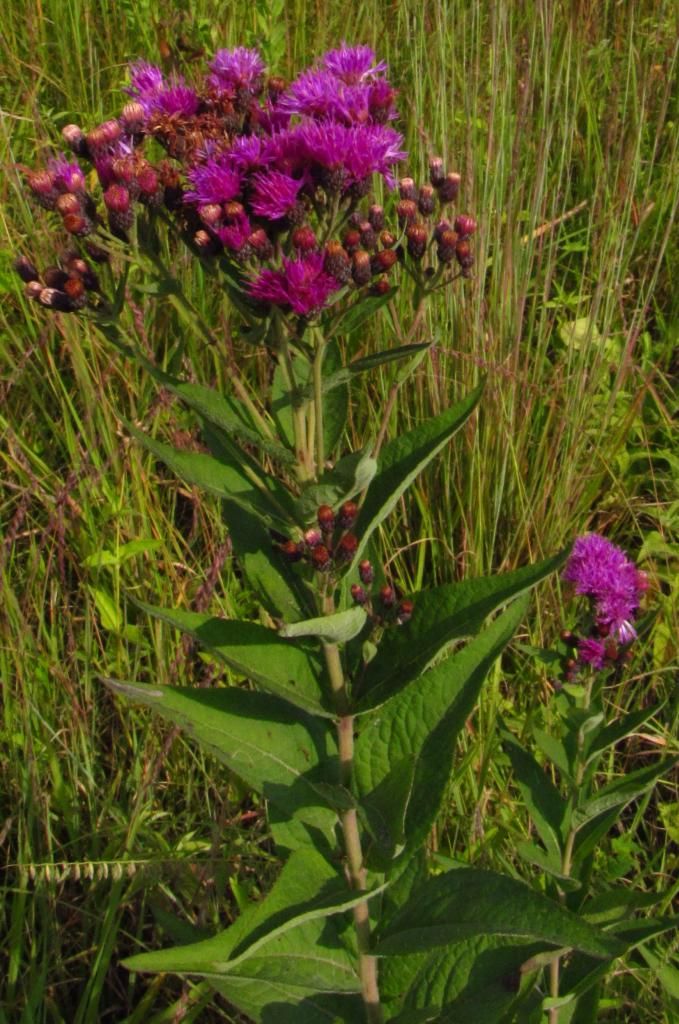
<point>305,468</point>
<point>318,404</point>
<point>567,856</point>
<point>367,964</point>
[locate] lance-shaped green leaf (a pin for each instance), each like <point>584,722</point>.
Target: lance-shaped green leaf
<point>413,353</point>
<point>356,315</point>
<point>621,792</point>
<point>468,902</point>
<point>440,616</point>
<point>276,749</point>
<point>403,459</point>
<point>545,804</point>
<point>225,478</point>
<point>267,1002</point>
<point>420,725</point>
<point>258,653</point>
<point>337,628</point>
<point>308,889</point>
<point>617,731</point>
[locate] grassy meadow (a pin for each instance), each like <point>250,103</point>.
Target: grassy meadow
<point>562,120</point>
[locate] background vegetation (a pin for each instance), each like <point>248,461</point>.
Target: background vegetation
<point>562,119</point>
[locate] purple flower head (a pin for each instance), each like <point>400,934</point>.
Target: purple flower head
<point>601,571</point>
<point>592,652</point>
<point>353,64</point>
<point>313,94</point>
<point>233,70</point>
<point>358,150</point>
<point>176,98</point>
<point>145,78</point>
<point>68,176</point>
<point>246,153</point>
<point>235,235</point>
<point>274,194</point>
<point>215,181</point>
<point>302,284</point>
<point>103,164</point>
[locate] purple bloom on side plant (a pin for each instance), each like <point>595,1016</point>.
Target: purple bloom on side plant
<point>601,571</point>
<point>302,285</point>
<point>240,68</point>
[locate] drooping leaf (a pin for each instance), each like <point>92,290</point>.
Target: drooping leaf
<point>275,748</point>
<point>403,459</point>
<point>422,723</point>
<point>441,615</point>
<point>545,804</point>
<point>260,654</point>
<point>467,902</point>
<point>337,628</point>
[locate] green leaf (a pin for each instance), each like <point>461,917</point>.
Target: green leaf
<point>352,475</point>
<point>468,902</point>
<point>617,731</point>
<point>356,315</point>
<point>543,800</point>
<point>531,853</point>
<point>258,653</point>
<point>421,724</point>
<point>388,355</point>
<point>441,615</point>
<point>335,402</point>
<point>337,628</point>
<point>403,459</point>
<point>276,749</point>
<point>621,792</point>
<point>222,477</point>
<point>553,749</point>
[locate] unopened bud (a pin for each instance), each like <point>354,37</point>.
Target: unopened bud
<point>117,199</point>
<point>347,515</point>
<point>303,238</point>
<point>376,216</point>
<point>568,637</point>
<point>381,286</point>
<point>337,262</point>
<point>387,240</point>
<point>417,240</point>
<point>404,612</point>
<point>326,518</point>
<point>77,224</point>
<point>426,202</point>
<point>41,184</point>
<point>347,548</point>
<point>149,185</point>
<point>352,239</point>
<point>406,211</point>
<point>387,596</point>
<point>361,270</point>
<point>233,210</point>
<point>465,225</point>
<point>133,117</point>
<point>260,244</point>
<point>358,593</point>
<point>407,189</point>
<point>436,172</point>
<point>55,299</point>
<point>205,243</point>
<point>366,572</point>
<point>383,261</point>
<point>447,246</point>
<point>68,203</point>
<point>33,290</point>
<point>74,137</point>
<point>55,277</point>
<point>463,253</point>
<point>211,215</point>
<point>449,187</point>
<point>368,236</point>
<point>320,558</point>
<point>290,551</point>
<point>25,269</point>
<point>312,538</point>
<point>75,289</point>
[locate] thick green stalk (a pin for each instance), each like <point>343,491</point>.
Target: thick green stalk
<point>318,403</point>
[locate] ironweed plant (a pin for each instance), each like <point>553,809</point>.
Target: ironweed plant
<point>355,692</point>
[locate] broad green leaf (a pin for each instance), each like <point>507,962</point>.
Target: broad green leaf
<point>223,478</point>
<point>352,475</point>
<point>384,811</point>
<point>617,905</point>
<point>553,749</point>
<point>468,902</point>
<point>446,613</point>
<point>335,403</point>
<point>403,459</point>
<point>258,653</point>
<point>281,591</point>
<point>621,792</point>
<point>267,1002</point>
<point>276,749</point>
<point>337,628</point>
<point>551,865</point>
<point>542,799</point>
<point>422,723</point>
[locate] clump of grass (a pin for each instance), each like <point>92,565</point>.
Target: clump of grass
<point>561,124</point>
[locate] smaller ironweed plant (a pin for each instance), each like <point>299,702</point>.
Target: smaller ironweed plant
<point>355,693</point>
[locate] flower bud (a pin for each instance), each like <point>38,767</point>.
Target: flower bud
<point>25,269</point>
<point>387,240</point>
<point>205,243</point>
<point>74,137</point>
<point>260,243</point>
<point>366,572</point>
<point>75,289</point>
<point>376,216</point>
<point>233,210</point>
<point>211,215</point>
<point>383,261</point>
<point>149,186</point>
<point>118,204</point>
<point>303,238</point>
<point>361,270</point>
<point>447,246</point>
<point>417,240</point>
<point>312,538</point>
<point>352,239</point>
<point>55,277</point>
<point>347,515</point>
<point>41,184</point>
<point>326,518</point>
<point>55,299</point>
<point>320,558</point>
<point>77,224</point>
<point>465,225</point>
<point>449,187</point>
<point>133,117</point>
<point>368,236</point>
<point>68,203</point>
<point>404,612</point>
<point>406,211</point>
<point>347,548</point>
<point>387,596</point>
<point>463,253</point>
<point>407,189</point>
<point>77,266</point>
<point>337,262</point>
<point>426,202</point>
<point>380,287</point>
<point>436,172</point>
<point>33,290</point>
<point>443,225</point>
<point>358,593</point>
<point>290,551</point>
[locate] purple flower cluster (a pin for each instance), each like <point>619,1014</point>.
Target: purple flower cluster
<point>159,97</point>
<point>302,285</point>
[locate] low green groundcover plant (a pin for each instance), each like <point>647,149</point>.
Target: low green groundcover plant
<point>356,692</point>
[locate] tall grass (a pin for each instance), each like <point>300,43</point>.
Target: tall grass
<point>562,119</point>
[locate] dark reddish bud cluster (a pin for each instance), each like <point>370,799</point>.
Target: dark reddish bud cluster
<point>61,288</point>
<point>328,545</point>
<point>384,608</point>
